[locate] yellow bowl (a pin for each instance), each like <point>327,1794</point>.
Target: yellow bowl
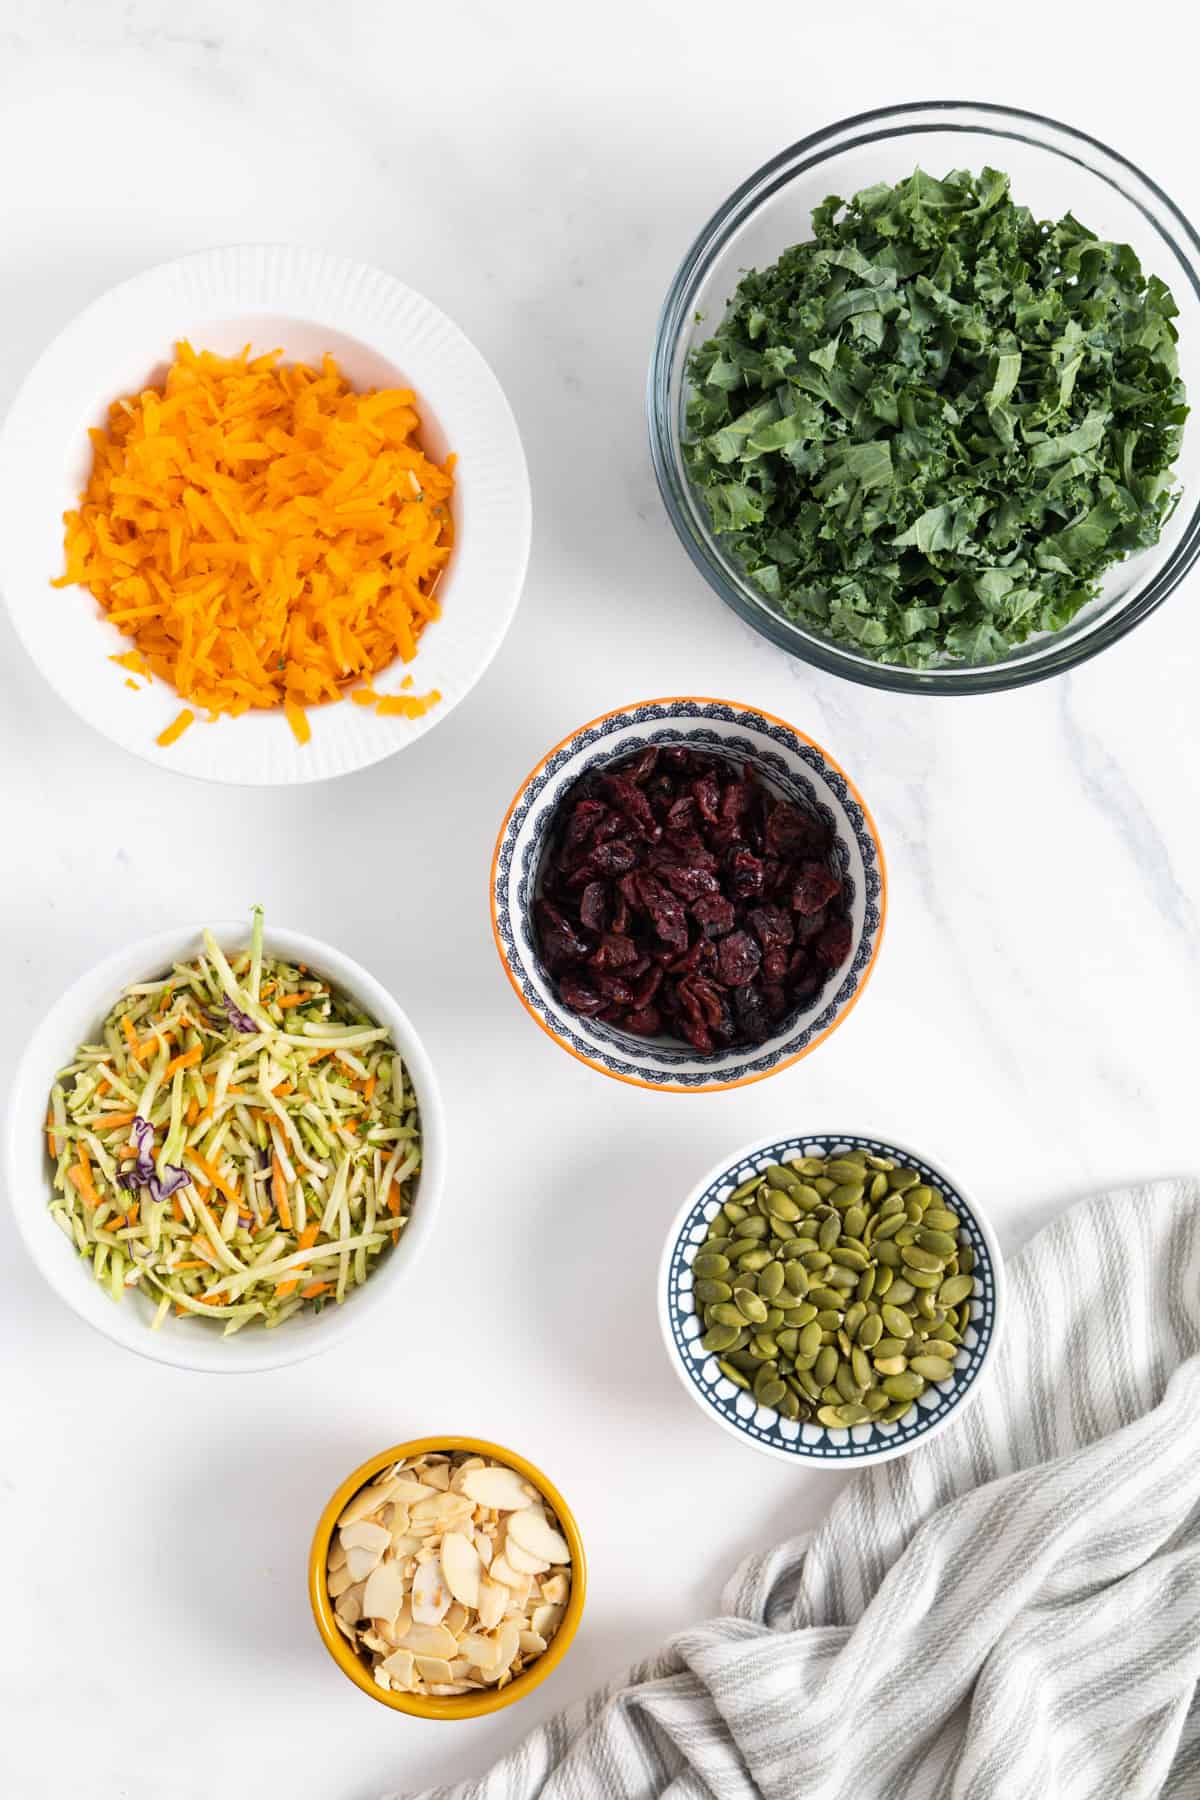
<point>454,1706</point>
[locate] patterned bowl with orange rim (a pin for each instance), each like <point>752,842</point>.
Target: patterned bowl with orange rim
<point>787,762</point>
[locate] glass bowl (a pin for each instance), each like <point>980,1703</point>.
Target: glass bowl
<point>1054,170</point>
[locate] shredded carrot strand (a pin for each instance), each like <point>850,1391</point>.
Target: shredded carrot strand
<point>211,1175</point>
<point>187,1060</point>
<point>279,1194</point>
<point>314,1288</point>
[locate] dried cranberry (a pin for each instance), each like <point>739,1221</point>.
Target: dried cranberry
<point>775,964</point>
<point>631,801</point>
<point>752,1014</point>
<point>613,858</point>
<point>614,952</point>
<point>689,884</point>
<point>669,920</point>
<point>584,816</point>
<point>833,945</point>
<point>708,797</point>
<point>646,1021</point>
<point>681,814</point>
<point>810,925</point>
<point>594,905</point>
<point>648,985</point>
<point>714,914</point>
<point>771,925</point>
<point>579,995</point>
<point>745,874</point>
<point>792,834</point>
<point>643,766</point>
<point>561,943</point>
<point>738,957</point>
<point>736,799</point>
<point>616,991</point>
<point>815,887</point>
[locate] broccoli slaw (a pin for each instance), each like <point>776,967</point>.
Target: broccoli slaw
<point>242,1141</point>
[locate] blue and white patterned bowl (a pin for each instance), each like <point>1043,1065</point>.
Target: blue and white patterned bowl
<point>737,1412</point>
<point>788,762</point>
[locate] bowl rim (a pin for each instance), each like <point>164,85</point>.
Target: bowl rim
<point>868,1457</point>
<point>342,295</point>
<point>1007,675</point>
<point>716,1086</point>
<point>450,1706</point>
<point>126,1325</point>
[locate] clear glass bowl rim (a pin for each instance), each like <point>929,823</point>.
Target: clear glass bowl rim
<point>988,119</point>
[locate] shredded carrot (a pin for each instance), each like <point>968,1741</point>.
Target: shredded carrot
<point>314,1288</point>
<point>193,1262</point>
<point>53,1141</point>
<point>188,1060</point>
<point>289,1000</point>
<point>193,1110</point>
<point>279,1194</point>
<point>285,1287</point>
<point>131,1038</point>
<point>369,1089</point>
<point>177,1209</point>
<point>210,1175</point>
<point>110,1121</point>
<point>134,661</point>
<point>393,1197</point>
<point>308,1236</point>
<point>81,1179</point>
<point>101,1089</point>
<point>176,728</point>
<point>265,535</point>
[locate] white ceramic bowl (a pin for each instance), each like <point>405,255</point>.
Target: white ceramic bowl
<point>810,1445</point>
<point>786,761</point>
<point>306,302</point>
<point>193,1343</point>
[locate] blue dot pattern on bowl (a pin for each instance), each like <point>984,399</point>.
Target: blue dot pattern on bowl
<point>811,1442</point>
<point>548,789</point>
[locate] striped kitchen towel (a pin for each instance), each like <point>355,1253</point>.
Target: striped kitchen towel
<point>1012,1611</point>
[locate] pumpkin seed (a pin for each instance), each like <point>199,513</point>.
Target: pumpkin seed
<point>731,1374</point>
<point>719,1338</point>
<point>826,1366</point>
<point>708,1291</point>
<point>933,1368</point>
<point>725,1313</point>
<point>956,1289</point>
<point>750,1306</point>
<point>739,1193</point>
<point>903,1387</point>
<point>709,1263</point>
<point>870,1331</point>
<point>915,1258</point>
<point>770,1280</point>
<point>897,1323</point>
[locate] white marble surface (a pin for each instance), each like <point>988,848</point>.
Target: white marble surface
<point>537,171</point>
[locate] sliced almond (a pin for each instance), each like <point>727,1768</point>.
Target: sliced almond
<point>433,1668</point>
<point>364,1534</point>
<point>502,1570</point>
<point>485,1547</point>
<point>556,1588</point>
<point>384,1593</point>
<point>533,1531</point>
<point>430,1595</point>
<point>367,1500</point>
<point>463,1470</point>
<point>532,1643</point>
<point>521,1561</point>
<point>339,1581</point>
<point>493,1598</point>
<point>545,1620</point>
<point>455,1620</point>
<point>445,1688</point>
<point>349,1605</point>
<point>430,1640</point>
<point>437,1475</point>
<point>381,1680</point>
<point>361,1560</point>
<point>502,1489</point>
<point>507,1641</point>
<point>460,1562</point>
<point>406,1544</point>
<point>399,1666</point>
<point>337,1556</point>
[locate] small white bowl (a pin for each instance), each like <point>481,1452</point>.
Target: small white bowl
<point>194,1343</point>
<point>787,762</point>
<point>810,1445</point>
<point>304,302</point>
